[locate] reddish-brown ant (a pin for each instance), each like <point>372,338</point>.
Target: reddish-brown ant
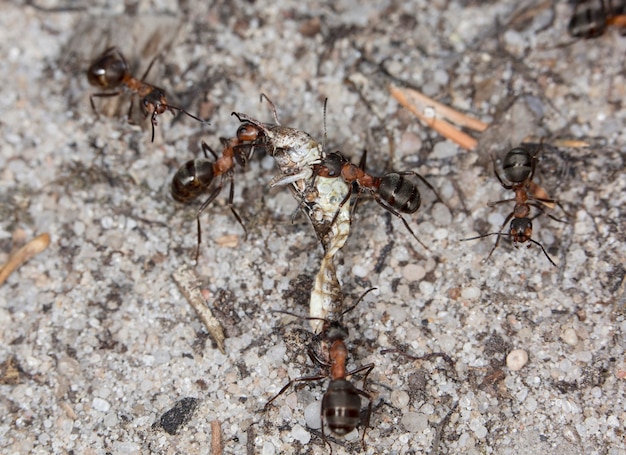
<point>591,18</point>
<point>341,404</point>
<point>396,192</point>
<point>196,176</point>
<point>111,72</point>
<point>519,169</point>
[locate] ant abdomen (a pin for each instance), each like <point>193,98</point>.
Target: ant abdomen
<point>517,165</point>
<point>400,192</point>
<point>109,70</point>
<point>192,179</point>
<point>589,23</point>
<point>341,406</point>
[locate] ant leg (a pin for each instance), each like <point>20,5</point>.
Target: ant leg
<point>542,211</point>
<point>205,148</point>
<point>507,219</point>
<point>356,200</point>
<point>292,382</point>
<point>316,359</point>
<point>154,122</point>
<point>231,195</point>
<point>397,214</point>
<point>145,74</point>
<point>567,214</point>
<point>340,206</point>
<point>503,201</point>
<point>100,95</point>
<point>204,205</point>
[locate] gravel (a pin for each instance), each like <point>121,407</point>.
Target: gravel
<point>98,343</point>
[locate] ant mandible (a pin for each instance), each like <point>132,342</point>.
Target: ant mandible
<point>396,192</point>
<point>111,72</point>
<point>341,404</point>
<point>591,18</point>
<point>519,169</point>
<point>196,176</point>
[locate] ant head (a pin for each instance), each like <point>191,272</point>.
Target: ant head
<point>333,330</point>
<point>518,165</point>
<point>248,135</point>
<point>155,103</point>
<point>521,229</point>
<point>247,132</point>
<point>108,70</point>
<point>333,163</point>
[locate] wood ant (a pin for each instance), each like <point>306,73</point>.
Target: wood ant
<point>111,72</point>
<point>196,176</point>
<point>396,192</point>
<point>591,18</point>
<point>341,404</point>
<point>294,151</point>
<point>519,169</point>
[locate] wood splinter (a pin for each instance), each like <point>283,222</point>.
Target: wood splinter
<point>433,114</point>
<point>31,249</point>
<point>216,438</point>
<point>187,281</point>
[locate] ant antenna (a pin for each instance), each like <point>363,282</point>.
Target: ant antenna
<point>357,302</point>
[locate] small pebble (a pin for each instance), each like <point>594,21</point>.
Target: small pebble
<point>268,449</point>
<point>414,421</point>
<point>413,272</point>
<point>101,405</point>
<point>399,398</point>
<point>312,415</point>
<point>299,433</point>
<point>570,337</point>
<point>516,359</point>
<point>470,293</point>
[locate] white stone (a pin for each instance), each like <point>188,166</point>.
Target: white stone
<point>516,359</point>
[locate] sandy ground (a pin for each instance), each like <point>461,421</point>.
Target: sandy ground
<point>97,341</point>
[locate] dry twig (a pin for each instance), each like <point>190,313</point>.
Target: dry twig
<point>433,114</point>
<point>216,438</point>
<point>187,281</point>
<point>32,248</point>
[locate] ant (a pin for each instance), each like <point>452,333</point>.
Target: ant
<point>519,169</point>
<point>111,72</point>
<point>396,192</point>
<point>294,151</point>
<point>196,176</point>
<point>591,18</point>
<point>341,403</point>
